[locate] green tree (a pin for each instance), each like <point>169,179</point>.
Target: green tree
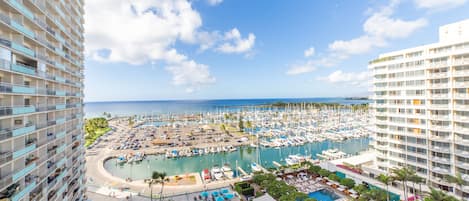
<point>333,177</point>
<point>403,175</point>
<point>153,180</point>
<point>161,179</point>
<point>350,183</point>
<point>314,169</point>
<point>436,195</point>
<point>373,194</point>
<point>241,124</point>
<point>324,173</point>
<point>223,127</point>
<point>386,180</point>
<point>415,179</point>
<point>456,179</point>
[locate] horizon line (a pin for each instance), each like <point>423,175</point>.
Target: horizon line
<point>215,99</point>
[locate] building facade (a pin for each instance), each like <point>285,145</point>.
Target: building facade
<point>41,100</point>
<point>421,105</point>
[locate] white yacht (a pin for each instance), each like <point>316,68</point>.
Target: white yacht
<point>227,171</point>
<point>216,173</point>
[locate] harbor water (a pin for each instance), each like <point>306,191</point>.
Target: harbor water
<point>243,157</point>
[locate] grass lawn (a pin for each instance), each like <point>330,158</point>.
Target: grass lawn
<point>98,133</point>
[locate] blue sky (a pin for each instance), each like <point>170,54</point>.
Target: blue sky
<point>223,49</point>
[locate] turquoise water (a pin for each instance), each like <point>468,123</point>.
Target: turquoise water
<point>93,109</point>
<point>323,195</point>
<point>244,156</point>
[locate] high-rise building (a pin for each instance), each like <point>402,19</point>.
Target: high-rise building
<point>421,104</point>
<point>41,100</point>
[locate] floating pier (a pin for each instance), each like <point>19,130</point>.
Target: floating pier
<point>277,164</point>
<point>242,171</point>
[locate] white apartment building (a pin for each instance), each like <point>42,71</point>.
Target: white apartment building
<point>41,100</point>
<point>421,105</point>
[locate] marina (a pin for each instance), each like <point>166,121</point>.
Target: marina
<point>244,157</point>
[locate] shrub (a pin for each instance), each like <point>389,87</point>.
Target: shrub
<point>347,182</point>
<point>248,191</point>
<point>334,177</point>
<point>314,169</point>
<point>324,173</point>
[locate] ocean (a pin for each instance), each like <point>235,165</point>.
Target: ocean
<point>125,108</point>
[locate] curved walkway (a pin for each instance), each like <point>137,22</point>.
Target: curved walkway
<point>97,175</point>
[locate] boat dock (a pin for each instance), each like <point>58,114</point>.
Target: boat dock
<point>263,169</point>
<point>242,171</point>
<point>277,164</point>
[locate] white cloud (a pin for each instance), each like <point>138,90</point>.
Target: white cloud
<point>351,78</point>
<point>382,25</point>
<point>214,2</point>
<point>302,68</point>
<point>379,29</point>
<point>140,31</point>
<point>358,45</point>
<point>190,75</point>
<point>309,52</point>
<point>234,43</point>
<point>439,4</point>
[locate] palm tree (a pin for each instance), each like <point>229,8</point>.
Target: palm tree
<point>153,180</point>
<point>436,195</point>
<point>386,180</point>
<point>402,175</point>
<point>417,180</point>
<point>457,179</point>
<point>162,179</point>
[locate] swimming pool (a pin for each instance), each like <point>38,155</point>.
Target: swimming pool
<point>324,195</point>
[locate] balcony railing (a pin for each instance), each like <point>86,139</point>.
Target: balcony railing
<point>20,194</point>
<point>461,95</point>
<point>461,61</point>
<point>440,149</point>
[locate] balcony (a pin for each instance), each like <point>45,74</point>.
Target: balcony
<point>23,109</point>
<point>441,160</point>
<point>5,157</point>
<point>438,75</point>
<point>439,85</point>
<point>461,118</point>
<point>24,151</point>
<point>22,49</point>
<point>59,79</point>
<point>440,149</point>
<point>60,93</point>
<point>463,165</point>
<point>61,148</point>
<point>440,170</point>
<point>28,128</point>
<point>437,64</point>
<point>461,73</point>
<point>22,29</point>
<point>461,62</point>
<point>22,9</point>
<point>461,84</point>
<point>23,172</point>
<point>23,69</point>
<point>440,117</point>
<point>438,95</point>
<point>462,153</point>
<point>61,162</point>
<point>461,95</point>
<point>19,195</point>
<point>60,134</point>
<point>439,106</point>
<point>60,106</point>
